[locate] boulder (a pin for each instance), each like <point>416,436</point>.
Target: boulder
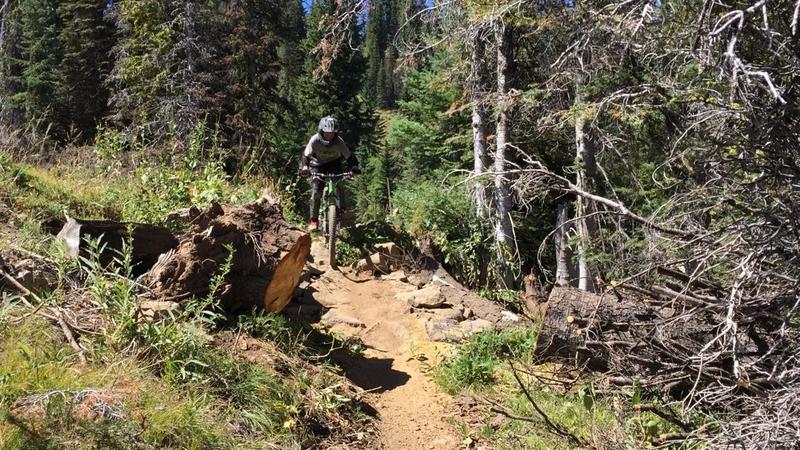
<point>377,262</point>
<point>455,313</point>
<point>443,330</point>
<point>429,297</point>
<point>475,326</point>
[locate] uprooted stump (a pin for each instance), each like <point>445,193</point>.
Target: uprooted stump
<point>146,242</point>
<point>269,255</point>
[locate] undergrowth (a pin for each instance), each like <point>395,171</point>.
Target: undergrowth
<point>180,382</point>
<point>485,367</point>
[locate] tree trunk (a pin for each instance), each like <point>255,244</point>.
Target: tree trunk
<point>479,121</point>
<point>504,232</point>
<point>565,268</point>
<point>269,255</point>
<point>147,242</point>
<point>586,174</point>
<point>574,321</point>
<point>5,13</point>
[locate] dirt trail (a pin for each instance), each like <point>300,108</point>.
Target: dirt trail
<point>394,366</point>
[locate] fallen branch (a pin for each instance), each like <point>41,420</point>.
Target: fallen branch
<point>57,315</point>
<point>557,429</point>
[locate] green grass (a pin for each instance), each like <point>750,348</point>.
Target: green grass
<point>481,367</point>
<point>183,389</point>
<point>475,364</point>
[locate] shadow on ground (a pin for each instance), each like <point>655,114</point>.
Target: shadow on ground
<point>372,374</point>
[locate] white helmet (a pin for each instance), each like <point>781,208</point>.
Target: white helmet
<point>328,125</point>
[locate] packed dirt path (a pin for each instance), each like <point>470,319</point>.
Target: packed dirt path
<point>395,364</point>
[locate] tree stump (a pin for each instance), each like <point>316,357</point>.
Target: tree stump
<point>268,258</point>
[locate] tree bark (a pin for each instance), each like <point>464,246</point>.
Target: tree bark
<point>269,255</point>
<point>479,121</point>
<point>565,269</point>
<point>504,232</point>
<point>5,12</point>
<point>586,173</point>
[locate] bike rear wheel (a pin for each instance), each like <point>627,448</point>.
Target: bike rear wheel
<point>332,226</point>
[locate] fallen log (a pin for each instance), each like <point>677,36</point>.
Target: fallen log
<point>147,242</point>
<point>653,338</point>
<point>268,258</point>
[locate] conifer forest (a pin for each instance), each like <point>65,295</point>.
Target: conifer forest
<point>567,224</point>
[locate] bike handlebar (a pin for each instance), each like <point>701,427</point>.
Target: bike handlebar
<point>323,176</point>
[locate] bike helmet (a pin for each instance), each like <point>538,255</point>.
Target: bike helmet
<point>328,125</point>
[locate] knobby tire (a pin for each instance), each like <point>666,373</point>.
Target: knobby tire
<point>332,229</point>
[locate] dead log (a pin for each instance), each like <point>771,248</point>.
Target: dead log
<point>147,242</point>
<point>651,335</point>
<point>602,331</point>
<point>268,258</point>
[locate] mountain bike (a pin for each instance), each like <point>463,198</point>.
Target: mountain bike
<point>330,210</point>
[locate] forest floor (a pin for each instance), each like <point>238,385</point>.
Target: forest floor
<point>395,365</point>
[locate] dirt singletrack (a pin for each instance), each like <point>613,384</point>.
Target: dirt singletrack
<point>394,368</point>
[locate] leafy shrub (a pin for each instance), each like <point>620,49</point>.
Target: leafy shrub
<point>474,364</point>
<point>429,210</point>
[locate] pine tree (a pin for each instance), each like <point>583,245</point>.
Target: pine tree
<point>11,112</point>
<point>40,57</point>
<point>166,76</point>
<point>86,39</point>
<point>338,92</point>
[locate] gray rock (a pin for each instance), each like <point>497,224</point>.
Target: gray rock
<point>443,330</point>
<point>429,297</point>
<point>474,326</point>
<point>334,317</point>
<point>455,313</point>
<point>509,316</point>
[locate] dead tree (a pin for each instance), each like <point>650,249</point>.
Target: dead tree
<point>144,242</point>
<point>479,119</point>
<point>585,173</point>
<point>503,228</point>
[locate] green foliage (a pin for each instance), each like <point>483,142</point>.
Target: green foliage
<point>474,365</point>
<point>444,216</point>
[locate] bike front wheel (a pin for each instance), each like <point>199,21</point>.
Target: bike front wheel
<point>332,226</point>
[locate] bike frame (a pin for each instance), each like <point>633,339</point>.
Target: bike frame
<point>330,195</point>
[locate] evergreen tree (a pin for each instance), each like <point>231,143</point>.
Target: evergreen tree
<point>167,76</point>
<point>11,112</point>
<point>86,39</point>
<point>337,92</point>
<point>40,57</point>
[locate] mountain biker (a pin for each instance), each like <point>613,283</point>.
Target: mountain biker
<point>325,153</point>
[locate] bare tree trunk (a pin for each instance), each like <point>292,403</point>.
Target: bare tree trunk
<point>586,174</point>
<point>504,232</point>
<point>565,269</point>
<point>5,12</point>
<point>479,120</point>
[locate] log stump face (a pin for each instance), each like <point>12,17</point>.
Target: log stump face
<point>268,258</point>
